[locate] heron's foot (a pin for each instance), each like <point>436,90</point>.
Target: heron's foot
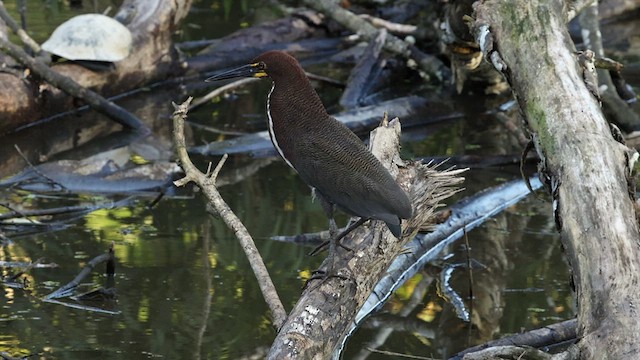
<point>321,247</point>
<point>323,276</point>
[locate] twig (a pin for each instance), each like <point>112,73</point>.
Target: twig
<point>391,26</point>
<point>325,79</point>
<point>207,184</point>
<point>35,169</point>
<point>24,37</point>
<point>216,130</point>
<point>429,64</point>
<point>400,355</point>
<point>14,212</point>
<point>219,91</point>
<point>48,212</point>
<point>69,86</point>
<point>75,210</point>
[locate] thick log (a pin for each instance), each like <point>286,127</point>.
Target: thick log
<point>588,171</point>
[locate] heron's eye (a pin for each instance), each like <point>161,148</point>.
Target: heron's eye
<point>262,66</point>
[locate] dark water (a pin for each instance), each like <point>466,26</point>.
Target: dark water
<point>185,289</point>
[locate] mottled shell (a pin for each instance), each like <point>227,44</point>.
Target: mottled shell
<point>90,37</point>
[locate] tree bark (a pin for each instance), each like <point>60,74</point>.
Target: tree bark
<point>587,170</point>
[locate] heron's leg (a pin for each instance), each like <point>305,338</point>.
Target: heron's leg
<point>329,209</point>
<point>338,238</point>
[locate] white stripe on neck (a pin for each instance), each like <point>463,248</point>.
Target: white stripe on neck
<point>271,132</point>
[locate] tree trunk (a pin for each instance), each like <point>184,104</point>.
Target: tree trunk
<point>588,171</point>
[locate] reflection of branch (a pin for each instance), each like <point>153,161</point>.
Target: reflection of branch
<point>206,308</point>
<point>40,212</point>
<point>14,213</point>
<point>67,289</point>
<point>83,307</point>
<point>208,185</point>
<point>402,318</point>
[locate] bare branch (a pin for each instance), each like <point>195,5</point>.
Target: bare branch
<point>208,186</point>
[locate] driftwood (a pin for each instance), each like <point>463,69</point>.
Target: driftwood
<point>468,68</point>
<point>319,321</point>
<point>294,33</point>
<point>154,58</point>
<point>587,171</point>
<point>365,70</point>
<point>430,65</point>
<point>616,108</point>
<point>64,83</point>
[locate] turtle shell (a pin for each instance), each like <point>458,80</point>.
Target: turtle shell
<point>92,37</point>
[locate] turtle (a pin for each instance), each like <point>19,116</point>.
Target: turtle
<point>90,39</point>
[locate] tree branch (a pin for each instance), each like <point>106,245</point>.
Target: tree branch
<point>208,185</point>
<point>429,64</point>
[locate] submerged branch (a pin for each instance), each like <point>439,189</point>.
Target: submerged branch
<point>67,289</point>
